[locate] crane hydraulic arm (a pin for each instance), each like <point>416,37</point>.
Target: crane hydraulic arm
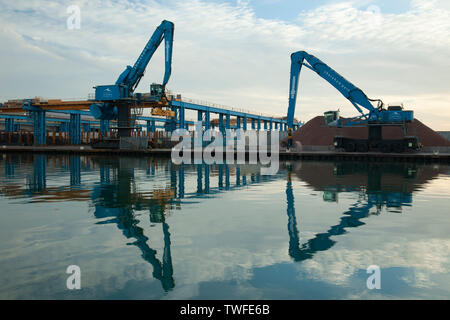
<point>123,89</point>
<point>355,95</point>
<point>131,76</point>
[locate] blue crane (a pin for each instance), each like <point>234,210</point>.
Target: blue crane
<point>108,96</point>
<point>374,117</point>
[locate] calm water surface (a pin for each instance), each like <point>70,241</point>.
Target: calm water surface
<point>143,228</point>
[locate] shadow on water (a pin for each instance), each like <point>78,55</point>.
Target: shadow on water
<point>115,195</point>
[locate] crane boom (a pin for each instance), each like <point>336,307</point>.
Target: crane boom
<point>107,96</point>
<point>356,96</point>
<point>131,76</point>
<point>375,117</point>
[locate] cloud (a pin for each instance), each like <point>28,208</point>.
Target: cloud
<point>225,53</point>
<point>425,25</point>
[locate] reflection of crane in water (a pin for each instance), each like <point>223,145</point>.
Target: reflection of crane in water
<point>350,219</point>
<point>115,199</point>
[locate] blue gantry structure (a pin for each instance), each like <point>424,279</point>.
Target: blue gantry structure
<point>114,104</point>
<point>81,120</point>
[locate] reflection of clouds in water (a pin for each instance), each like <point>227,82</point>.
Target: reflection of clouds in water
<point>184,292</point>
<point>220,264</point>
<point>426,258</point>
<point>420,279</point>
<point>437,188</point>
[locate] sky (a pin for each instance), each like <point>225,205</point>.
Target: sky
<point>236,53</point>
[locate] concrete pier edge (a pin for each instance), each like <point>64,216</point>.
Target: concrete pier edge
<point>283,155</point>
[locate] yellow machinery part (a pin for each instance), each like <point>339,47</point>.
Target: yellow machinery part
<point>163,112</point>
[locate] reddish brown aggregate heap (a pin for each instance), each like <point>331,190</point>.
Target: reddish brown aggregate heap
<point>316,133</point>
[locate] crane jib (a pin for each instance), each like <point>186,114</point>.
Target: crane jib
<point>355,95</point>
<point>129,79</point>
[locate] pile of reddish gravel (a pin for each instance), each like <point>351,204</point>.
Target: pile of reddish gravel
<point>316,133</point>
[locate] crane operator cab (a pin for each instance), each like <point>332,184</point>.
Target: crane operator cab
<point>331,118</point>
<point>157,93</point>
<point>156,90</point>
<point>289,141</point>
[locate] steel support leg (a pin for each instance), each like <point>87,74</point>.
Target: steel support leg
<point>207,120</point>
<point>151,126</point>
<point>172,125</point>
<point>75,128</point>
<point>9,125</point>
<point>104,126</point>
<point>39,127</point>
<point>181,121</point>
<point>221,126</point>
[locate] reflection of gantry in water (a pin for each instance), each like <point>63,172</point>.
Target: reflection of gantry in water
<point>116,198</point>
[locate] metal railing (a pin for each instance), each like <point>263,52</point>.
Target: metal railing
<point>225,107</point>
